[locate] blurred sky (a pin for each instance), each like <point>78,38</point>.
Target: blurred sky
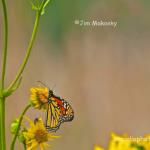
<point>103,72</point>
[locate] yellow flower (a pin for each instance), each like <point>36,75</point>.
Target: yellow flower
<point>129,143</point>
<point>37,135</point>
<point>96,147</point>
<point>125,142</point>
<point>120,143</point>
<point>39,97</point>
<point>145,142</point>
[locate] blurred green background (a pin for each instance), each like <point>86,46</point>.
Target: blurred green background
<point>104,72</point>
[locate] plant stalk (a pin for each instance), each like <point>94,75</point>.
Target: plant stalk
<point>27,53</point>
<point>19,124</point>
<point>5,45</point>
<point>2,81</point>
<point>2,124</point>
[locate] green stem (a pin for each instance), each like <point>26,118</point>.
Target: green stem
<point>24,145</point>
<point>27,54</point>
<point>2,123</point>
<point>4,57</point>
<point>2,98</point>
<point>0,134</point>
<point>19,124</point>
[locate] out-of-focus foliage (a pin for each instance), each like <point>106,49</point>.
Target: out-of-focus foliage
<point>59,20</point>
<point>61,16</point>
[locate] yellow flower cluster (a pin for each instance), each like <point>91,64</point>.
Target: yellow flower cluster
<point>127,143</point>
<point>37,135</point>
<point>39,97</point>
<point>98,148</point>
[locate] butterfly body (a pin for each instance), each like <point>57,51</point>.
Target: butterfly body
<point>59,111</point>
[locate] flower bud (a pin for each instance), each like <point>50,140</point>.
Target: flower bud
<point>14,126</point>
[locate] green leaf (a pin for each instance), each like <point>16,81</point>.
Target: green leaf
<point>44,6</point>
<point>140,147</point>
<point>34,7</point>
<point>137,146</point>
<point>39,5</point>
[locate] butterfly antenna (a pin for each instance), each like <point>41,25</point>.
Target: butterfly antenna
<point>42,83</point>
<point>53,87</point>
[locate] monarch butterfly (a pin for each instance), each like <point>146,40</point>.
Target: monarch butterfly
<point>58,111</point>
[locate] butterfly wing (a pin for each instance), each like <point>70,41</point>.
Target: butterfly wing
<point>68,114</point>
<point>53,117</point>
<point>59,111</point>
